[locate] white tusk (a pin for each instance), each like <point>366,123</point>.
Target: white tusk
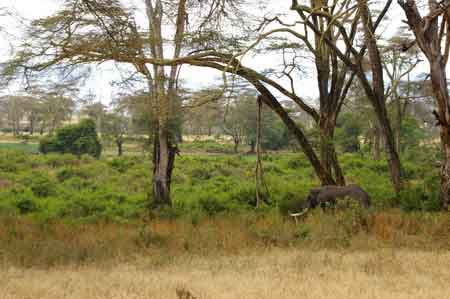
<point>296,215</point>
<point>299,213</point>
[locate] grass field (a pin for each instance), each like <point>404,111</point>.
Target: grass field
<point>77,227</point>
<point>279,273</point>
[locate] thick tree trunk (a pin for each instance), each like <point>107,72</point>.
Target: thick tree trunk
<point>429,37</point>
<point>338,173</point>
<point>375,93</point>
<point>328,154</point>
<point>439,86</point>
<point>445,169</point>
<point>395,167</point>
<point>163,162</point>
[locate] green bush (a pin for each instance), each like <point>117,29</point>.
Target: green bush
<point>26,205</point>
<point>421,197</point>
<point>122,164</point>
<point>76,139</point>
<point>40,184</point>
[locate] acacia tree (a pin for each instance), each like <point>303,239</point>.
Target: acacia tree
<point>432,36</point>
<point>333,77</point>
<point>14,109</point>
<point>115,127</point>
<point>97,31</point>
<point>203,111</point>
<point>398,65</point>
<point>358,13</point>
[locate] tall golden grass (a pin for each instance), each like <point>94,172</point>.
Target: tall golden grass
<point>340,255</point>
<point>278,273</point>
<point>25,242</point>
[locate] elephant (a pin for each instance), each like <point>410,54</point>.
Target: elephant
<point>328,194</point>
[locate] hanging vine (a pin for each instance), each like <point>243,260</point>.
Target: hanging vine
<point>261,186</point>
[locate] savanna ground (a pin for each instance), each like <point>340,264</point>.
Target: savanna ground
<point>79,228</point>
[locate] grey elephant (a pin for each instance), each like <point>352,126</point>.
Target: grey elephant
<point>328,195</point>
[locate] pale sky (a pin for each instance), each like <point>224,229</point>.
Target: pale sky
<point>194,77</point>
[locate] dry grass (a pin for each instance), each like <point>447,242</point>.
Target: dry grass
<point>278,273</point>
<point>382,255</point>
<point>26,242</point>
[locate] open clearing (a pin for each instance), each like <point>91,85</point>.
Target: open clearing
<point>278,273</point>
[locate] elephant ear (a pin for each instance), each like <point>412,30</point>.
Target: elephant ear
<point>311,201</point>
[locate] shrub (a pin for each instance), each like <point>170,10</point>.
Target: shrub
<point>212,205</point>
<point>77,139</point>
<point>25,205</point>
<point>41,185</point>
<point>421,197</point>
<point>121,164</point>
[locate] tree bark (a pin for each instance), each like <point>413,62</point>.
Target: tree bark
<point>119,144</point>
<point>439,87</point>
<point>270,100</point>
<point>328,156</point>
<point>375,93</point>
<point>324,176</point>
<point>163,162</point>
<point>429,37</point>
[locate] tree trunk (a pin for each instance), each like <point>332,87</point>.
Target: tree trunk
<point>236,142</point>
<point>271,101</point>
<point>338,173</point>
<point>163,161</point>
<point>398,122</point>
<point>429,38</point>
<point>31,127</point>
<point>445,169</point>
<point>375,93</point>
<point>324,176</point>
<point>119,147</point>
<point>328,154</point>
<point>439,87</point>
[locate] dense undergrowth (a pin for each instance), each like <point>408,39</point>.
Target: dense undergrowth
<point>61,209</point>
<point>65,186</point>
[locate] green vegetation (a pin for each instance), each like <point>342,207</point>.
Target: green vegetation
<point>76,139</point>
<point>67,186</point>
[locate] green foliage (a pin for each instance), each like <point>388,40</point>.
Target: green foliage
<point>76,139</point>
<point>411,133</point>
<point>122,164</point>
<point>348,130</point>
<point>65,185</point>
<point>41,185</point>
<point>208,146</point>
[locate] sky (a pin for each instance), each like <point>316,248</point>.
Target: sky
<point>195,78</point>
